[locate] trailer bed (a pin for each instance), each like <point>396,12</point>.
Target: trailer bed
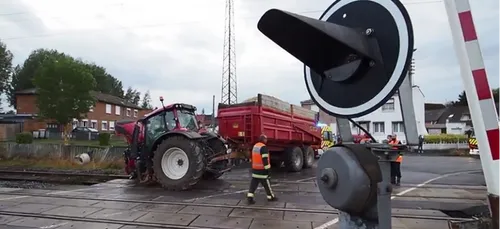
<point>284,124</point>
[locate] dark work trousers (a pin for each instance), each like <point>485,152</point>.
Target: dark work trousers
<point>265,183</point>
<point>395,172</point>
<point>420,148</point>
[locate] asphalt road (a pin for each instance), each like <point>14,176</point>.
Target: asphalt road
<point>415,170</point>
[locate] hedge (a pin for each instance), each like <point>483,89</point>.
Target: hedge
<point>104,139</point>
<point>445,138</point>
<point>24,138</point>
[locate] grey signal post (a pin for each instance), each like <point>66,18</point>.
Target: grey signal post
<point>347,75</point>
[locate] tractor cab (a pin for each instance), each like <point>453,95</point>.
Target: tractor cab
<point>168,146</point>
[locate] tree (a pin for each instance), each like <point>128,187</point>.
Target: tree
<point>105,82</point>
<point>22,78</point>
<point>146,101</point>
<point>462,99</point>
<point>132,96</point>
<point>5,67</point>
<point>64,88</point>
<point>23,75</point>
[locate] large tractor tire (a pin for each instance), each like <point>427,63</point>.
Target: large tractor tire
<point>308,156</point>
<point>218,147</point>
<point>294,159</point>
<point>178,163</point>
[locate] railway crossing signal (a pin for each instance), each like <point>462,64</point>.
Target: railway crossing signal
<point>356,56</point>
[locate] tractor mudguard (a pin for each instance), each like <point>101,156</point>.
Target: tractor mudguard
<point>187,134</point>
<point>211,135</point>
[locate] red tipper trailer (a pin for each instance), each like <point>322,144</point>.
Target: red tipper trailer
<point>293,137</point>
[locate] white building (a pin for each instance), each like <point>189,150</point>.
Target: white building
<point>387,120</point>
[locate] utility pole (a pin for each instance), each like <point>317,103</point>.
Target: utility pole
<point>213,112</point>
<point>229,93</point>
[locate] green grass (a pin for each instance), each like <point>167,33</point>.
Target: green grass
<point>112,142</point>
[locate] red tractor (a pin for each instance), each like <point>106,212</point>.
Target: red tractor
<point>168,146</point>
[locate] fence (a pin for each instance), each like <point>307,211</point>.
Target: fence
<point>444,146</point>
<point>37,150</point>
<point>8,131</point>
<point>81,136</point>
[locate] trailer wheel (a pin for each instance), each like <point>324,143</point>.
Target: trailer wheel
<point>178,163</point>
<point>308,156</point>
<point>294,159</point>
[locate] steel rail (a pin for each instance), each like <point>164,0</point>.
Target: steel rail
<point>154,202</point>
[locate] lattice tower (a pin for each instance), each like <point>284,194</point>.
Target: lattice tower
<point>229,93</point>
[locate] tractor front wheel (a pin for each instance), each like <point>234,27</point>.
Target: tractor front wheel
<point>178,163</point>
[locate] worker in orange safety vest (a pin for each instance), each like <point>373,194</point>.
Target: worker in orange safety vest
<point>261,165</point>
<point>396,165</point>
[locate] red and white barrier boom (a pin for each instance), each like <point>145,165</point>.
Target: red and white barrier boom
<point>479,95</point>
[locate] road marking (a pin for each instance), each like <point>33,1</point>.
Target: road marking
<point>241,191</point>
<point>336,220</point>
<point>74,190</point>
<point>53,226</point>
<point>13,198</point>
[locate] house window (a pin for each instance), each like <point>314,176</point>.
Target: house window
<point>104,125</point>
<point>112,125</point>
<point>93,124</point>
<point>136,112</point>
<point>108,108</point>
<point>379,127</point>
<point>84,123</point>
<point>398,127</point>
<point>129,111</point>
<point>389,106</point>
<point>365,125</point>
<point>118,110</point>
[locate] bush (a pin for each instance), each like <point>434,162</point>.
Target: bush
<point>24,138</point>
<point>445,138</point>
<point>104,139</point>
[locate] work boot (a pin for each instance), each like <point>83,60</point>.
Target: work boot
<point>393,180</point>
<point>398,181</point>
<point>273,199</point>
<point>250,200</point>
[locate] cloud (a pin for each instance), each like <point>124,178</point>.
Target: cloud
<point>175,49</point>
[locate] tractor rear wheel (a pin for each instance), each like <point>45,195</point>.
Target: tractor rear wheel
<point>294,159</point>
<point>178,163</point>
<point>308,156</point>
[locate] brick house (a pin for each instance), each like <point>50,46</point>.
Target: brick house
<point>102,116</point>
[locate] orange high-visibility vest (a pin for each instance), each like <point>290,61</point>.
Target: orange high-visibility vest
<point>394,142</point>
<point>257,157</point>
<point>399,159</point>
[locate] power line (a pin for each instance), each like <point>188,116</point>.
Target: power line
<point>145,26</point>
<point>127,27</point>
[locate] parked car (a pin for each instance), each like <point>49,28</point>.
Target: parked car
<point>84,133</point>
<point>84,129</point>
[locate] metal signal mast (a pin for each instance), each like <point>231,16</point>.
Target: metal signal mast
<point>229,93</point>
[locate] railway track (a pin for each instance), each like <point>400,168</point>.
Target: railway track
<point>106,221</point>
<point>18,196</point>
<point>57,177</point>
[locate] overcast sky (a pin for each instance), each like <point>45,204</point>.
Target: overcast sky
<point>174,48</point>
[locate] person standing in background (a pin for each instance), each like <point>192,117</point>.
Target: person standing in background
<point>420,144</point>
<point>396,165</point>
